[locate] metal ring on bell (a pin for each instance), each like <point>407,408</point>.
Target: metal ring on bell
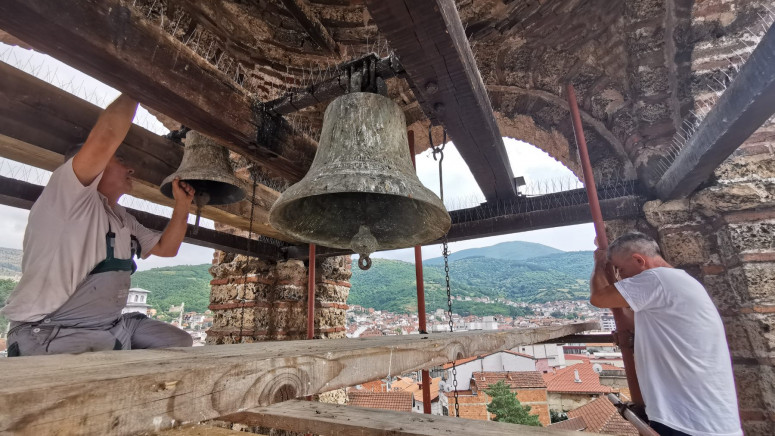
<point>364,262</point>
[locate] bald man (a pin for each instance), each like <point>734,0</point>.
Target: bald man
<point>681,353</point>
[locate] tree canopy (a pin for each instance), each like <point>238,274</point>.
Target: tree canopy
<point>507,408</point>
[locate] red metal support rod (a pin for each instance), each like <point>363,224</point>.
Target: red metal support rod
<point>311,294</point>
<point>623,322</point>
<point>422,323</point>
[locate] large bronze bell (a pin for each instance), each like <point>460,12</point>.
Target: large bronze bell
<point>205,166</point>
<point>361,192</point>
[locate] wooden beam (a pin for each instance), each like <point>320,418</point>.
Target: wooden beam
<point>198,430</point>
<point>595,338</point>
<point>432,45</point>
<point>39,122</point>
<point>142,390</point>
<point>17,193</point>
<point>743,107</point>
<point>311,24</point>
<point>334,419</point>
<point>112,42</point>
<point>621,200</point>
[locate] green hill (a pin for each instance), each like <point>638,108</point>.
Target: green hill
<point>173,285</point>
<point>512,250</point>
<point>518,271</point>
<point>390,284</point>
<point>10,263</point>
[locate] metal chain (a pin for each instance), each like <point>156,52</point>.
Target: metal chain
<point>445,252</point>
<point>243,300</point>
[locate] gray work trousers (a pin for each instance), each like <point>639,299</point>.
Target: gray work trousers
<point>91,320</point>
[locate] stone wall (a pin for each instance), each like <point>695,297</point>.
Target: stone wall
<point>259,300</point>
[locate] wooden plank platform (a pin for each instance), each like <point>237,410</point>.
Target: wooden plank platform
<point>331,419</point>
<point>126,392</point>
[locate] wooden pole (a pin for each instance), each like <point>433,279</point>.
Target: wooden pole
<point>620,318</point>
<point>422,322</point>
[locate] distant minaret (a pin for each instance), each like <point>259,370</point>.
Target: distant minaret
<point>180,317</point>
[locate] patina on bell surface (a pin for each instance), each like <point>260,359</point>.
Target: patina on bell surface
<point>205,166</point>
<point>361,192</point>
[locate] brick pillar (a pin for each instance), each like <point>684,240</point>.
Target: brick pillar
<point>724,235</point>
<point>268,300</point>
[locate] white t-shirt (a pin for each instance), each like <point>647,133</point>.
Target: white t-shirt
<point>681,353</point>
<point>65,240</point>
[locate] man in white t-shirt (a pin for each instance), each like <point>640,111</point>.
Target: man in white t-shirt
<point>78,250</point>
<point>681,354</point>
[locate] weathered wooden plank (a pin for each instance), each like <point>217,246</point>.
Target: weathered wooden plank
<point>21,194</point>
<point>124,392</point>
<point>743,107</point>
<point>311,24</point>
<point>39,122</point>
<point>617,208</point>
<point>594,338</point>
<point>333,419</point>
<point>197,430</point>
<point>110,41</point>
<point>431,43</point>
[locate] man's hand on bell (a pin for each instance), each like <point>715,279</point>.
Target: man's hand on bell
<point>182,191</point>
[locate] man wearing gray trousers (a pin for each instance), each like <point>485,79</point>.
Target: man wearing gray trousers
<point>78,253</point>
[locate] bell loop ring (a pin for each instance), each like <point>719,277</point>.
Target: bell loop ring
<point>364,262</point>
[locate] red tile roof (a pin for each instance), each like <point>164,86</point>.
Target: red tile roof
<point>601,416</point>
<point>400,401</point>
<point>576,357</point>
<point>471,359</point>
<point>404,384</point>
<point>434,390</point>
<point>564,380</point>
<point>514,379</point>
<point>573,424</point>
<point>373,386</point>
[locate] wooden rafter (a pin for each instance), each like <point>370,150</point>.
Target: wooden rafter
<point>311,24</point>
<point>39,122</point>
<point>743,107</point>
<point>333,419</point>
<point>142,390</point>
<point>431,43</point>
<point>111,42</point>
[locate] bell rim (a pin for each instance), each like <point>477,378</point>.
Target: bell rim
<point>236,193</point>
<point>443,222</point>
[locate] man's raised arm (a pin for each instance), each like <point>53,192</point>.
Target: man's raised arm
<point>105,137</point>
<point>603,293</point>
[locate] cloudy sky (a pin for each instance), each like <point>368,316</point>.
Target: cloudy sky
<point>540,170</point>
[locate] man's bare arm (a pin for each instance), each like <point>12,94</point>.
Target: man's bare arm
<point>175,231</point>
<point>105,137</point>
<point>603,293</point>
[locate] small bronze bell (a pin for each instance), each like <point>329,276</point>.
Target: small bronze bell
<point>361,192</point>
<point>205,166</point>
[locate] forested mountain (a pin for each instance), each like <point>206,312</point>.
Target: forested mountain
<point>390,284</point>
<point>512,250</point>
<point>173,285</point>
<point>10,263</point>
<point>517,271</point>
